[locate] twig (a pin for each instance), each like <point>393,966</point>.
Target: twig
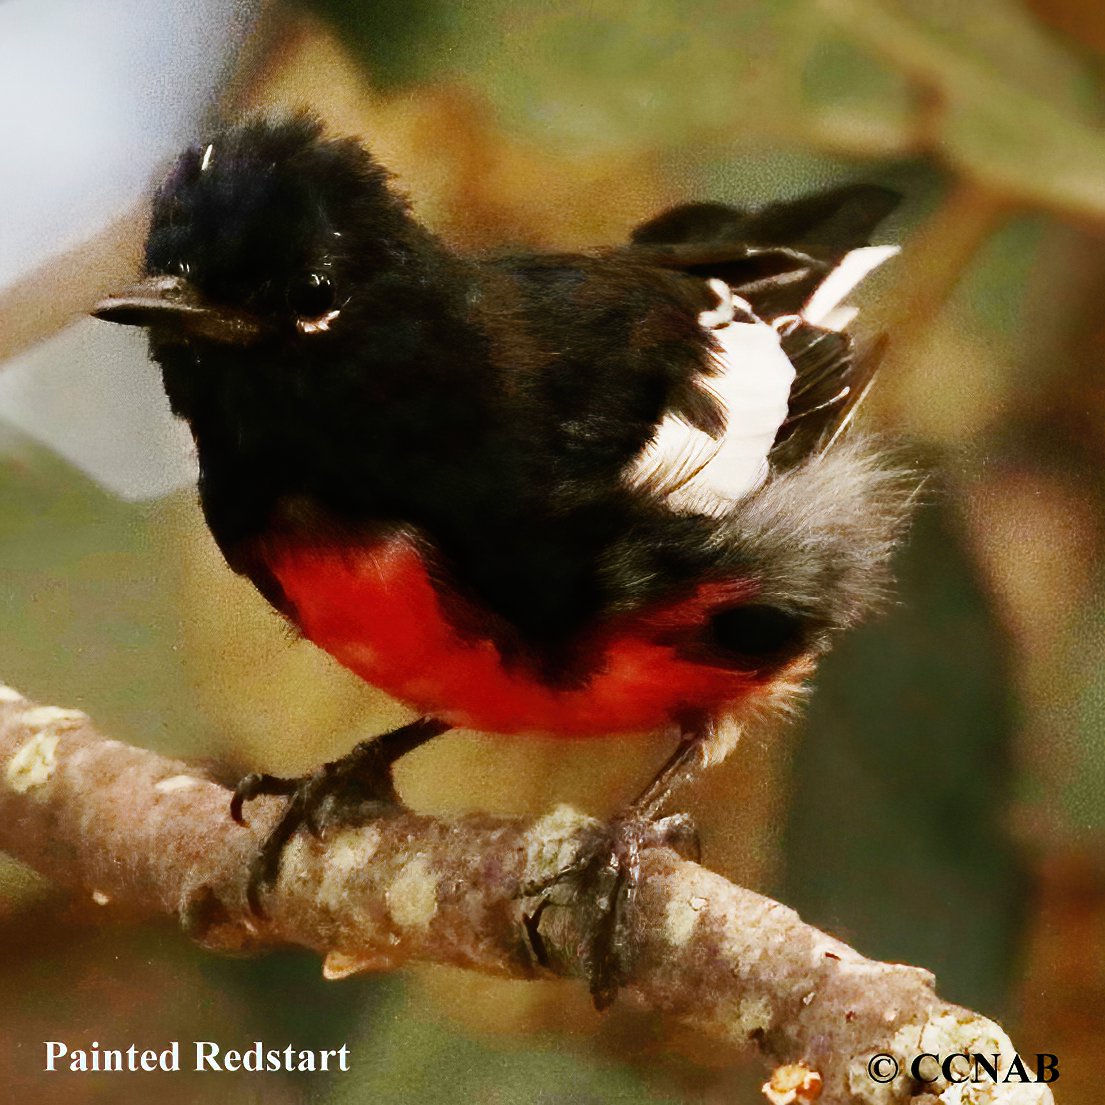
<point>42,302</point>
<point>154,836</point>
<point>988,128</point>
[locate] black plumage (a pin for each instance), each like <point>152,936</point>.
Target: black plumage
<point>450,471</point>
<point>493,404</point>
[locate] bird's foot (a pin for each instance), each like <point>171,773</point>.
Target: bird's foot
<point>335,791</point>
<point>357,787</point>
<point>604,878</point>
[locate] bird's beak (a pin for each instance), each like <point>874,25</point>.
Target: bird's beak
<point>173,306</point>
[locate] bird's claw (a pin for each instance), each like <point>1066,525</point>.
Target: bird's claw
<point>253,786</point>
<point>604,876</point>
<point>357,786</point>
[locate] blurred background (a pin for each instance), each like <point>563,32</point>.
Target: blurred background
<point>942,803</point>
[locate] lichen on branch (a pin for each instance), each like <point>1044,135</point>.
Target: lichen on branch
<point>155,835</point>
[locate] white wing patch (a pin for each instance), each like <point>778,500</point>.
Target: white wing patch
<point>754,376</point>
<point>695,471</point>
<point>822,308</point>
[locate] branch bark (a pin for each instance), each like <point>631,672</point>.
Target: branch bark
<point>155,836</point>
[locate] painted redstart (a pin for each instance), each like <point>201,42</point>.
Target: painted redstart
<point>536,493</point>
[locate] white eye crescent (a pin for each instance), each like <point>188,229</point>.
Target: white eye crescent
<point>316,325</point>
<point>313,297</point>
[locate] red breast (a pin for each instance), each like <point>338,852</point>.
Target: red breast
<point>375,609</point>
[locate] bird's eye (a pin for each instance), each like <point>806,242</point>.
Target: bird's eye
<point>312,296</point>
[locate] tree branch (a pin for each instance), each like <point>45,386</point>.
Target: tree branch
<point>154,836</point>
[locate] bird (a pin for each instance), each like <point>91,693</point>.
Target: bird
<point>527,492</point>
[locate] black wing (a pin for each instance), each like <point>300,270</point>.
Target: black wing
<point>776,258</point>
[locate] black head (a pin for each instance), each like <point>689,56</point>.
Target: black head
<point>262,233</point>
<point>295,310</point>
